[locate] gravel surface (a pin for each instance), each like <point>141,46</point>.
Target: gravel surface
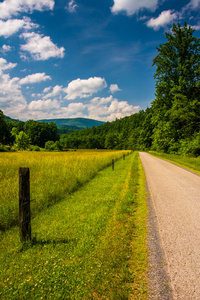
<point>174,224</point>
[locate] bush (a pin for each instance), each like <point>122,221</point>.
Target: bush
<point>4,148</point>
<point>51,146</point>
<point>57,146</point>
<point>34,148</point>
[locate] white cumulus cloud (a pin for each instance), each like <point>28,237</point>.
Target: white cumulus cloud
<point>43,105</point>
<point>41,47</point>
<point>12,101</point>
<point>83,88</point>
<point>10,27</point>
<point>9,8</point>
<point>109,108</point>
<point>114,88</point>
<point>5,48</point>
<point>133,6</point>
<point>75,108</point>
<point>4,65</point>
<point>166,17</point>
<point>55,92</point>
<point>47,89</point>
<point>34,78</point>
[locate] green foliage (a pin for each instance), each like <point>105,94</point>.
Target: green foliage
<point>176,109</point>
<point>22,141</point>
<point>14,132</point>
<point>51,146</point>
<point>5,136</point>
<point>4,148</point>
<point>34,148</point>
<point>191,146</point>
<point>40,133</point>
<point>120,134</point>
<point>111,140</point>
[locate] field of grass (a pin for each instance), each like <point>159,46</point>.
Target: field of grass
<point>91,245</point>
<point>191,163</point>
<point>53,175</point>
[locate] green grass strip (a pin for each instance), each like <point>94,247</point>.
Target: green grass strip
<point>191,163</point>
<point>92,245</point>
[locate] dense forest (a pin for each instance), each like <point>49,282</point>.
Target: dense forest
<point>171,124</point>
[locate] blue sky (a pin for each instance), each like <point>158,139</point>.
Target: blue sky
<point>83,58</point>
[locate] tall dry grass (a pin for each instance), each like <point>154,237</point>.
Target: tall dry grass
<point>52,176</point>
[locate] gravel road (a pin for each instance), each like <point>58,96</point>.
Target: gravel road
<point>174,229</point>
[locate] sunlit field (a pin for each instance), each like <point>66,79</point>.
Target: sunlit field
<point>90,245</point>
<point>53,175</point>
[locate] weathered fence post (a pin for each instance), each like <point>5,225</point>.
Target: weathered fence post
<point>123,156</point>
<point>113,164</point>
<point>24,204</point>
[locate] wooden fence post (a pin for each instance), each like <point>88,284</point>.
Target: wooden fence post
<point>24,204</point>
<point>113,164</point>
<point>123,156</point>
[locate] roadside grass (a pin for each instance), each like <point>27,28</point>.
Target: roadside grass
<point>52,176</point>
<point>92,245</point>
<point>191,163</point>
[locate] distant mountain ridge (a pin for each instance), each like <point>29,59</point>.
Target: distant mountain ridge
<point>10,119</point>
<point>74,122</point>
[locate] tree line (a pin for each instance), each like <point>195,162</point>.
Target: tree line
<point>171,124</point>
<point>24,135</point>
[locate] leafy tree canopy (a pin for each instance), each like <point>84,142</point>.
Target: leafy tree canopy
<point>176,109</point>
<point>22,141</point>
<point>5,136</point>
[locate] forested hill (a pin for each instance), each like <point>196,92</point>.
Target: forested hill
<point>70,122</point>
<point>133,132</point>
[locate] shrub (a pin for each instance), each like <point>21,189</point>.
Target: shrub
<point>51,146</point>
<point>34,148</point>
<point>57,146</point>
<point>4,148</point>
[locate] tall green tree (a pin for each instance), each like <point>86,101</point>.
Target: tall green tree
<point>5,136</point>
<point>177,80</point>
<point>40,133</point>
<point>22,141</point>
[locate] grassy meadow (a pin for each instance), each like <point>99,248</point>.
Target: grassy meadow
<point>53,175</point>
<point>191,163</point>
<point>90,245</point>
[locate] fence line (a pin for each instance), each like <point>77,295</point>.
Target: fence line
<point>24,202</point>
